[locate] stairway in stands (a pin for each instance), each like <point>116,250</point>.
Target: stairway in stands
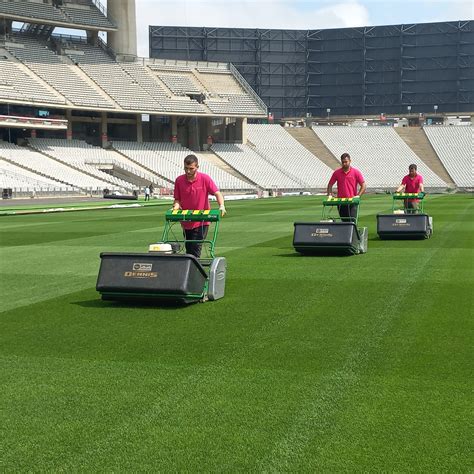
<point>312,142</point>
<point>416,139</point>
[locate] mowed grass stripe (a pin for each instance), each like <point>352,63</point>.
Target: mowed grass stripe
<point>316,424</point>
<point>95,386</point>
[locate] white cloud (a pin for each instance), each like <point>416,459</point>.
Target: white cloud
<point>246,14</point>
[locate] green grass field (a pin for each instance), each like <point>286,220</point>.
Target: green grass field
<point>359,363</point>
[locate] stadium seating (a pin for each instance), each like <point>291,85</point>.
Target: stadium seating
<point>219,81</point>
<point>83,13</point>
<point>378,152</point>
<point>109,75</point>
<point>167,159</point>
<point>87,15</point>
<point>52,169</point>
<point>23,180</point>
<point>79,155</point>
<point>35,10</point>
<point>52,69</point>
<point>85,75</point>
<point>254,167</point>
<point>147,79</point>
<point>17,84</point>
<point>454,146</point>
<point>179,84</point>
<point>279,148</point>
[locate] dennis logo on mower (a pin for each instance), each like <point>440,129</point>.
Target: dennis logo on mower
<point>142,267</point>
<point>141,270</point>
<point>401,223</point>
<point>321,233</point>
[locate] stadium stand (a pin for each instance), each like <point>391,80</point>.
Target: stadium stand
<point>52,169</point>
<point>83,13</point>
<point>18,84</point>
<point>455,148</point>
<point>179,84</point>
<point>86,76</point>
<point>278,147</point>
<point>108,74</point>
<point>167,159</point>
<point>52,68</point>
<point>254,167</point>
<point>147,77</point>
<point>33,10</point>
<point>22,180</point>
<point>78,155</point>
<point>380,154</point>
<point>86,14</point>
<point>79,152</point>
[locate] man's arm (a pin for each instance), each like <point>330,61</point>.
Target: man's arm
<point>400,188</point>
<point>220,200</point>
<point>176,205</point>
<point>362,189</point>
<point>330,185</point>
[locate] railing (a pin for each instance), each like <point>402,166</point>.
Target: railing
<point>247,88</point>
<point>106,48</point>
<point>103,10</point>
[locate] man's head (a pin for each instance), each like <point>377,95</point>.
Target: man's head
<point>412,171</point>
<point>345,161</point>
<point>191,165</point>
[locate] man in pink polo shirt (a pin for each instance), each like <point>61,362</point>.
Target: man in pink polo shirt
<point>191,191</point>
<point>412,183</point>
<point>347,179</point>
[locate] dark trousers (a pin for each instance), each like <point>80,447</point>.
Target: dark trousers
<point>198,233</point>
<point>411,206</point>
<point>347,212</point>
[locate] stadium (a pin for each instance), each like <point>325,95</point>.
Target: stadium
<point>309,362</point>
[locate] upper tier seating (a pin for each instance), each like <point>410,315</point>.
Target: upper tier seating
<point>35,10</point>
<point>111,77</point>
<point>51,68</point>
<point>84,14</point>
<point>88,15</point>
<point>84,75</point>
<point>18,84</point>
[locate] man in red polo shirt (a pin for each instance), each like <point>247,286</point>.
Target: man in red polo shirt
<point>347,179</point>
<point>191,191</point>
<point>411,183</point>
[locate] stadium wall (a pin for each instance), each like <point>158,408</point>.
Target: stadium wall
<point>351,71</point>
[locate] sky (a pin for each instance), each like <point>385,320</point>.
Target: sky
<point>293,14</point>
